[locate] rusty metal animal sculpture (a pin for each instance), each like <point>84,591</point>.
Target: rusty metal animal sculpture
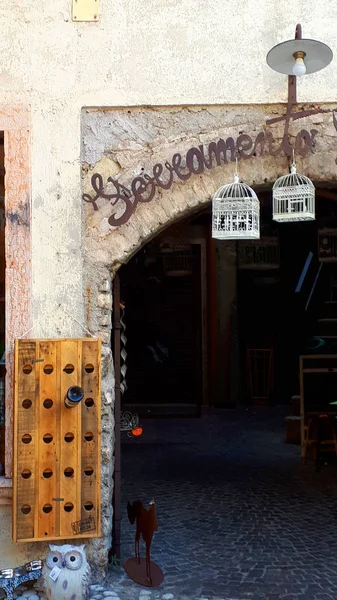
<point>146,525</point>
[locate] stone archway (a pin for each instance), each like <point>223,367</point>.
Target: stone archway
<point>130,151</point>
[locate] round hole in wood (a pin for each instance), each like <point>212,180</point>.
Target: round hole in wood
<point>69,437</point>
<point>48,369</point>
<point>26,473</point>
<point>48,403</point>
<point>88,436</point>
<point>27,403</point>
<point>88,471</point>
<point>68,507</point>
<point>69,472</point>
<point>47,508</point>
<point>89,402</point>
<point>47,438</point>
<point>25,509</point>
<point>47,473</point>
<point>88,506</point>
<point>69,368</point>
<point>27,369</point>
<point>26,438</point>
<point>89,368</point>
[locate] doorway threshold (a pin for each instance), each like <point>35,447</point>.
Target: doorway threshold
<point>163,409</point>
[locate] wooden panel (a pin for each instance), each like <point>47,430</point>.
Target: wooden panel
<point>46,448</point>
<point>61,463</point>
<point>70,455</point>
<point>90,465</point>
<point>26,388</point>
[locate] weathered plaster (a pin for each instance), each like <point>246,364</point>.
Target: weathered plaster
<point>15,122</point>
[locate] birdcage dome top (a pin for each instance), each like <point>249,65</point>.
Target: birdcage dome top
<point>293,179</point>
<point>293,197</point>
<point>235,212</point>
<point>235,191</point>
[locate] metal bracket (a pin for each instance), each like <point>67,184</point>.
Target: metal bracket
<point>292,82</point>
<point>85,10</point>
<point>292,95</point>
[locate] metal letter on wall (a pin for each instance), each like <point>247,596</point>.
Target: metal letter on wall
<point>57,400</point>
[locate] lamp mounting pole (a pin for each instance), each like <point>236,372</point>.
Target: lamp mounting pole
<point>292,90</point>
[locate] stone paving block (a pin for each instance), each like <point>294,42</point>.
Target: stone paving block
<point>239,515</point>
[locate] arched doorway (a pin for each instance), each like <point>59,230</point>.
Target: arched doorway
<point>224,483</point>
<point>134,189</point>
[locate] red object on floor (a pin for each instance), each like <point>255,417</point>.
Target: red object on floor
<point>136,432</point>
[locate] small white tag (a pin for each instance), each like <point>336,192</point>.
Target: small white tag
<point>54,573</point>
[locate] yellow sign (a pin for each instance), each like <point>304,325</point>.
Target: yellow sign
<point>85,10</point>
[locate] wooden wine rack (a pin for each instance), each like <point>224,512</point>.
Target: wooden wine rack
<point>56,487</point>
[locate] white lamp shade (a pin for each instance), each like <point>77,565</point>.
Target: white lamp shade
<point>317,56</point>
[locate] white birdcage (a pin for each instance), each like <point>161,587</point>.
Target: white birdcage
<point>235,212</point>
<point>293,198</point>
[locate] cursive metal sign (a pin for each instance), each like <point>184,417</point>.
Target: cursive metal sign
<point>197,159</point>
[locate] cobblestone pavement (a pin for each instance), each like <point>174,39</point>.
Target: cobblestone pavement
<point>239,516</point>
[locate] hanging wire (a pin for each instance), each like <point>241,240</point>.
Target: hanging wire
<point>78,322</point>
<point>236,173</point>
<point>28,331</point>
<point>293,164</point>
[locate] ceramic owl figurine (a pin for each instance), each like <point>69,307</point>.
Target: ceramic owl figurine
<point>66,573</point>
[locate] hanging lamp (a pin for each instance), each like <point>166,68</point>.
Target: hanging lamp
<point>299,56</point>
<point>293,197</point>
<point>235,212</point>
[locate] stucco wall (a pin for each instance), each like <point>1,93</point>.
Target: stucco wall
<point>176,53</point>
<point>139,53</point>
